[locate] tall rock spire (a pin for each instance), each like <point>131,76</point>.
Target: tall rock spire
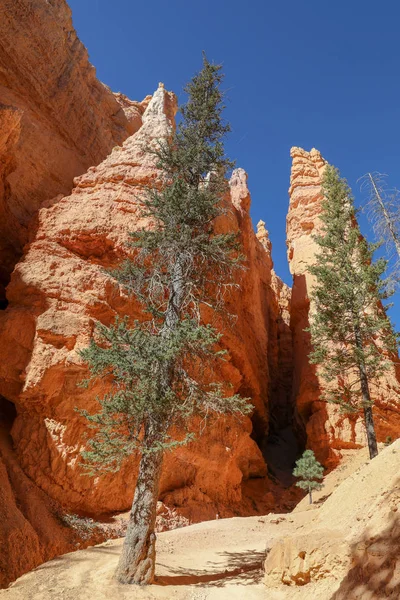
<point>327,429</point>
<point>304,207</point>
<point>263,236</point>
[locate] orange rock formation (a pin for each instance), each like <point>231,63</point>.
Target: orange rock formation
<point>327,429</point>
<point>56,118</point>
<point>58,292</point>
<point>59,122</point>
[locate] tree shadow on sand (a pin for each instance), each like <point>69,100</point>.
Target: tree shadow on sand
<point>375,570</point>
<point>245,568</point>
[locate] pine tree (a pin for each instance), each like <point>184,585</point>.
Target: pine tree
<point>160,367</point>
<point>353,341</point>
<point>309,470</point>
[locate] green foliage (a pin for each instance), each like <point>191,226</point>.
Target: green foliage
<point>308,469</point>
<point>184,209</point>
<point>351,334</point>
<point>160,368</point>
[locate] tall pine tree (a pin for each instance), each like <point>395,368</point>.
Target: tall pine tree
<point>353,341</point>
<point>160,367</point>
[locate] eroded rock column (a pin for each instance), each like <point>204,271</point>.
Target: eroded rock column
<point>328,430</point>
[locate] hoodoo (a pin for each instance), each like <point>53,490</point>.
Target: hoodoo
<point>328,429</point>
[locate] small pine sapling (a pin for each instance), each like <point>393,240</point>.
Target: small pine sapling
<point>309,470</point>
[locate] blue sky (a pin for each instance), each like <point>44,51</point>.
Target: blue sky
<point>310,74</point>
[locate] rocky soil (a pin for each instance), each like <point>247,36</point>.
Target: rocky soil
<point>344,547</point>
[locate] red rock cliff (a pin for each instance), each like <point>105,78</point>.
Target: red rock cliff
<point>58,292</point>
<point>56,118</point>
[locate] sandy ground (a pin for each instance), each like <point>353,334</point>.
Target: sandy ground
<point>215,560</point>
<point>350,462</point>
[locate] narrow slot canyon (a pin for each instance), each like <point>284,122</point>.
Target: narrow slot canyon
<point>8,414</point>
<point>283,439</point>
<point>283,444</point>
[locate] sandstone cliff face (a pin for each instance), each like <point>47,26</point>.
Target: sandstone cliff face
<point>280,355</point>
<point>327,429</point>
<point>58,292</point>
<point>57,121</point>
<point>56,118</point>
<point>30,531</point>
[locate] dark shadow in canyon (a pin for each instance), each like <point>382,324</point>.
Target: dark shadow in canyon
<point>283,439</point>
<point>286,436</point>
<point>8,413</point>
<point>280,451</point>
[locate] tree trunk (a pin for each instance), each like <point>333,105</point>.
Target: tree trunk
<point>369,425</point>
<point>366,396</point>
<point>389,222</point>
<point>137,561</point>
<point>310,496</point>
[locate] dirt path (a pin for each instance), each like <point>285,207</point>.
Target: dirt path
<point>216,560</point>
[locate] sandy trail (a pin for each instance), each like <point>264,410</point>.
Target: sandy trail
<point>209,561</point>
<point>214,560</point>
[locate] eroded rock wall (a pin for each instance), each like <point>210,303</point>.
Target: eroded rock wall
<point>327,429</point>
<point>56,118</point>
<point>31,531</point>
<point>58,292</point>
<point>280,355</point>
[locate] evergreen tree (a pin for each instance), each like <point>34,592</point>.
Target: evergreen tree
<point>353,341</point>
<point>309,470</point>
<point>160,368</point>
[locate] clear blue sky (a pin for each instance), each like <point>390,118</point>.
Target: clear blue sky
<point>310,74</point>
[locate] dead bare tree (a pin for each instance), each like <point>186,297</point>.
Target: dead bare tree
<point>383,211</point>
